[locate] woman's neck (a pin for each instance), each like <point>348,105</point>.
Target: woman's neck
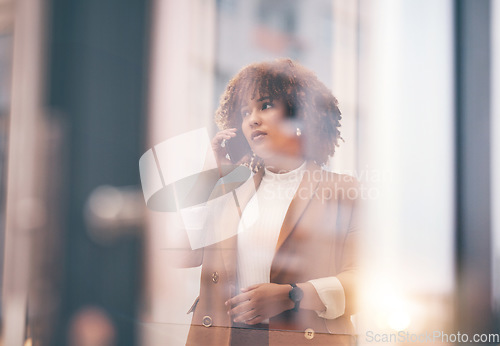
<point>283,164</point>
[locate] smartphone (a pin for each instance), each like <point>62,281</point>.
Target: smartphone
<point>237,147</point>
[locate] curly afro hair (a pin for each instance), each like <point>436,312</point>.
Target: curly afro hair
<point>309,102</point>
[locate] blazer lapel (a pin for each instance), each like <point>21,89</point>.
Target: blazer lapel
<point>305,192</point>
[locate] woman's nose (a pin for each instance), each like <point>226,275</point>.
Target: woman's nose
<point>254,118</point>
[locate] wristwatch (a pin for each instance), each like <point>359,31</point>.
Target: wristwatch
<point>296,294</point>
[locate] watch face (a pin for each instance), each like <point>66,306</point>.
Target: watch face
<point>296,294</point>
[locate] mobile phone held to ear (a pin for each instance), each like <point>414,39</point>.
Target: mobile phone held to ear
<point>237,147</point>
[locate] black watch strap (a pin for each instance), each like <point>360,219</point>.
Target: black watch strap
<point>296,294</point>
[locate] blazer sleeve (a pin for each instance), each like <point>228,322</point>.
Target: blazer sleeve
<point>203,226</point>
<point>183,252</point>
<point>349,260</point>
<point>183,256</point>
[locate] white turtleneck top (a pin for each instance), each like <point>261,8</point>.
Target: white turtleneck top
<point>264,213</point>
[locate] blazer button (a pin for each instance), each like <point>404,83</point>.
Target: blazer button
<point>215,277</point>
<point>207,321</point>
<point>309,333</point>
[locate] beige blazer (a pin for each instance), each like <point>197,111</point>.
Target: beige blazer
<point>317,239</point>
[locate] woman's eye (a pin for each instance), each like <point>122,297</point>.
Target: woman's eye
<point>244,113</point>
<point>267,105</point>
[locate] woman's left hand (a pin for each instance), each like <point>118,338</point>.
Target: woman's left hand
<point>259,302</point>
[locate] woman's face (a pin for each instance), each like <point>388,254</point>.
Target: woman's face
<point>267,130</point>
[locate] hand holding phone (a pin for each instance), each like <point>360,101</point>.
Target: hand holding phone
<point>235,145</point>
<point>220,150</point>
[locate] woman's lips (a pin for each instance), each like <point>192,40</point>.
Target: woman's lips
<point>258,135</point>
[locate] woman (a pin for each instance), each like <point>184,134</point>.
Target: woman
<point>288,275</point>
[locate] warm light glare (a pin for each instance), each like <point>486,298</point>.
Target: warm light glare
<point>392,309</point>
<point>399,320</point>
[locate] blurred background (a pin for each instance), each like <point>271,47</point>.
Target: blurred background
<point>87,86</point>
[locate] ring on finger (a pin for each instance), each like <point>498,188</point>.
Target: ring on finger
<point>223,143</point>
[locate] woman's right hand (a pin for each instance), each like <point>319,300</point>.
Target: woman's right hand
<point>219,150</point>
